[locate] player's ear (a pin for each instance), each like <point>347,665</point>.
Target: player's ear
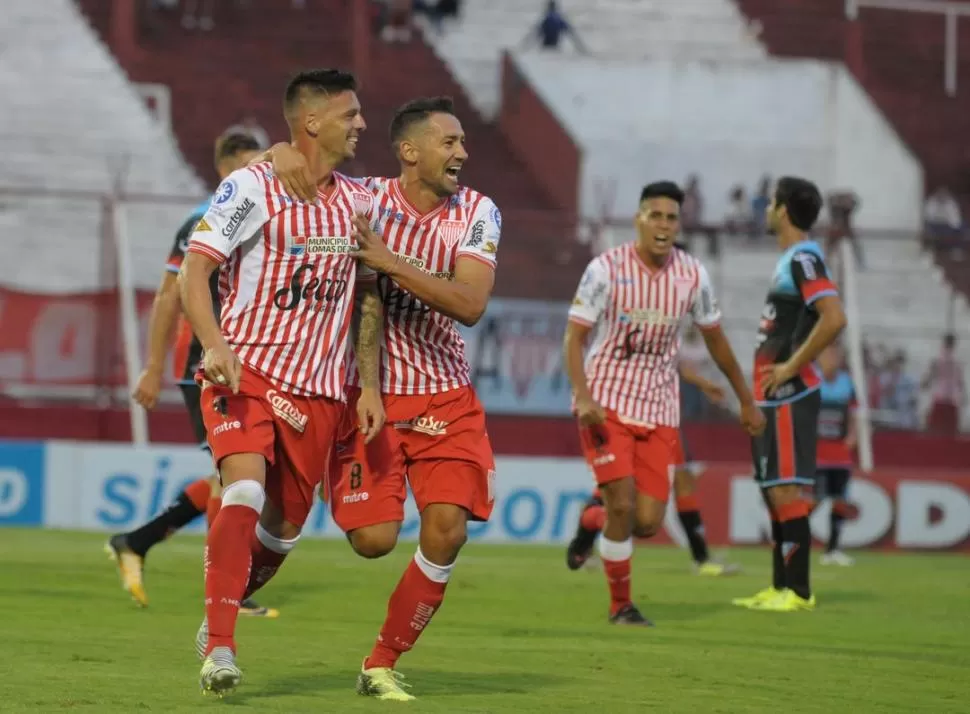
<point>407,152</point>
<point>311,123</point>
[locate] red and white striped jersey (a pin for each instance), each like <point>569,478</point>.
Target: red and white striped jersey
<point>423,351</point>
<point>637,314</point>
<point>287,276</point>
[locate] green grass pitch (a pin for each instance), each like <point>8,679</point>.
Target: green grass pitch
<point>517,633</point>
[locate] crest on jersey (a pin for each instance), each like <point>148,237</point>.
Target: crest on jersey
<point>362,201</point>
<point>451,232</point>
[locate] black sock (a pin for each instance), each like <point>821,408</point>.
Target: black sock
<point>796,548</point>
<point>694,529</point>
<point>835,529</point>
<point>777,559</point>
<point>179,514</point>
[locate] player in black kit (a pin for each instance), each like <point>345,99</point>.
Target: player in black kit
<point>802,316</point>
<point>204,495</point>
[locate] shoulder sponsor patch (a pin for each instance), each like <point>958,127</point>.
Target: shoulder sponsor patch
<point>202,226</point>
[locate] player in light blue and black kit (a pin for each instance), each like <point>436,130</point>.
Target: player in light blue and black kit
<point>802,316</point>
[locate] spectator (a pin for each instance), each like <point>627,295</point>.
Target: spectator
<point>551,29</point>
<point>941,214</point>
<point>436,12</point>
<point>198,13</point>
<point>738,217</point>
<point>397,27</point>
<point>692,212</point>
<point>842,206</point>
<point>253,128</point>
<point>899,394</point>
<point>759,207</point>
<point>948,392</point>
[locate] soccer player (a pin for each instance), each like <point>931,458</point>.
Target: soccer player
<point>274,369</point>
<point>633,299</point>
<point>435,249</point>
<point>836,442</point>
<point>802,315</point>
<point>232,151</point>
<point>593,515</point>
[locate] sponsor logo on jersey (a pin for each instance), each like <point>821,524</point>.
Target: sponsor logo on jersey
<point>202,226</point>
<point>490,247</point>
<point>285,410</point>
<point>315,289</point>
<point>640,316</point>
<point>328,245</point>
<point>237,218</point>
<point>423,425</point>
<point>227,189</point>
<point>226,426</point>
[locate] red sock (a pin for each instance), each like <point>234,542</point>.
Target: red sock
<point>198,493</point>
<point>268,554</point>
<point>212,510</point>
<point>227,560</point>
<point>616,557</point>
<point>593,518</point>
<point>415,600</point>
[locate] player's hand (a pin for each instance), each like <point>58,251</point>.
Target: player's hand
<point>774,375</point>
<point>291,168</point>
<point>851,441</point>
<point>371,249</point>
<point>148,387</point>
<point>752,419</point>
<point>589,412</point>
<point>222,366</point>
<point>714,392</point>
<point>370,414</point>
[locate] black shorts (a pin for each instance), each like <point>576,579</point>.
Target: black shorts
<point>191,394</point>
<point>785,451</point>
<point>832,483</point>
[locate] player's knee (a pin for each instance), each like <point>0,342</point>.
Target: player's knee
<point>374,541</point>
<point>646,529</point>
<point>443,531</point>
<point>621,508</point>
<point>244,493</point>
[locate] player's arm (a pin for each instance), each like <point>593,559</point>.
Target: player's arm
<point>161,323</point>
<point>690,375</point>
<point>370,315</point>
<point>585,312</point>
<point>821,294</point>
<point>236,214</point>
<point>462,298</point>
<point>707,318</point>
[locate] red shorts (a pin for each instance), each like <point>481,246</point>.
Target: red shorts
<point>616,449</point>
<point>294,434</point>
<point>437,442</point>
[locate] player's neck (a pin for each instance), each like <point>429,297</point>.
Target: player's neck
<point>786,239</point>
<point>421,198</point>
<point>653,262</point>
<point>321,165</point>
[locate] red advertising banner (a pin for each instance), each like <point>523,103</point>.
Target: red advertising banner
<point>897,509</point>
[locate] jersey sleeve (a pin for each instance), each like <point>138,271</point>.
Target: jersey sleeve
<point>811,276</point>
<point>237,212</point>
<point>705,311</point>
<point>177,254</point>
<point>481,239</point>
<point>589,303</point>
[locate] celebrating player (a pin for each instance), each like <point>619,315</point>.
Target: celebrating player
<point>633,299</point>
<point>437,266</point>
<point>232,151</point>
<point>593,515</point>
<point>275,370</point>
<point>836,442</point>
<point>803,314</point>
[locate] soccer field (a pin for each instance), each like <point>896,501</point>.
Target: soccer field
<point>517,633</point>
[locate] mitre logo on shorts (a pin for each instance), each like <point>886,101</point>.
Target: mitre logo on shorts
<point>285,410</point>
<point>226,426</point>
<point>356,497</point>
<point>424,425</point>
<point>604,459</point>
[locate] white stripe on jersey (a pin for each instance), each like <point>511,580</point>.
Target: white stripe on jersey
<point>424,352</point>
<point>631,365</point>
<point>286,286</point>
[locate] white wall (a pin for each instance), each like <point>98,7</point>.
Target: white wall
<point>730,122</point>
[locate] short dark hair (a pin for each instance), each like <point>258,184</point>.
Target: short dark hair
<point>949,340</point>
<point>318,82</point>
<point>233,143</point>
<point>801,198</point>
<point>663,189</point>
<point>417,111</point>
